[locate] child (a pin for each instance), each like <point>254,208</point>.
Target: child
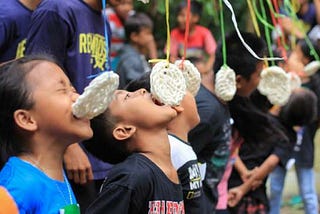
<point>146,181</point>
<point>183,157</point>
<point>304,155</point>
<point>36,127</point>
<point>201,44</point>
<point>300,110</point>
<point>211,138</point>
<point>117,13</point>
<point>132,57</point>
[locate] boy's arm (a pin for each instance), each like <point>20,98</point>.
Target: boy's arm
<point>235,194</point>
<point>77,164</point>
<point>317,6</point>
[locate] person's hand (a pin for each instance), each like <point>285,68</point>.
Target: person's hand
<point>77,164</point>
<point>255,184</point>
<point>234,196</point>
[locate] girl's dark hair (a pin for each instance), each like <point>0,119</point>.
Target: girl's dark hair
<point>195,7</point>
<point>301,109</point>
<point>15,94</point>
<point>238,57</point>
<point>135,23</point>
<point>103,145</point>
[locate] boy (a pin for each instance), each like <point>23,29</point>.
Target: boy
<point>132,61</point>
<point>146,181</point>
<point>183,157</point>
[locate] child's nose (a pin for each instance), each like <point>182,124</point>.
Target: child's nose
<point>74,96</point>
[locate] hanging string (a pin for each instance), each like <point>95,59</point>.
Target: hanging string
<point>254,19</point>
<point>105,20</point>
<point>223,39</point>
<point>281,39</point>
<point>293,15</point>
<point>168,37</point>
<point>233,17</point>
<point>266,31</point>
<point>186,33</point>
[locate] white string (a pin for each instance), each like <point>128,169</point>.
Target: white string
<point>234,20</point>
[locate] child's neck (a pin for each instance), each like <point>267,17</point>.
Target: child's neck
<point>155,146</point>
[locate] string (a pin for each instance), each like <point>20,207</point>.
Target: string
<point>233,17</point>
<point>260,17</point>
<point>223,39</point>
<point>168,37</point>
<point>290,8</point>
<point>254,18</point>
<point>282,41</point>
<point>266,31</point>
<point>186,33</point>
<point>105,20</point>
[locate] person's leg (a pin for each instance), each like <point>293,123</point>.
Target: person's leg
<point>277,177</point>
<point>307,189</point>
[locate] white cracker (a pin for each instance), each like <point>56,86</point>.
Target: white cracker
<point>295,81</point>
<point>225,83</point>
<point>167,83</point>
<point>96,96</point>
<point>275,84</point>
<point>191,75</point>
<point>312,68</point>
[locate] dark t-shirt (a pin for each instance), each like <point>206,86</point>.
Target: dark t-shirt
<point>137,185</point>
<point>14,23</point>
<point>210,140</point>
<point>74,33</point>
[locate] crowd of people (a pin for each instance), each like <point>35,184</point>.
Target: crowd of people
<point>206,155</point>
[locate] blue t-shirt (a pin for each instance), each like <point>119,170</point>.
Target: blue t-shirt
<point>32,190</point>
<point>74,33</point>
<point>14,23</point>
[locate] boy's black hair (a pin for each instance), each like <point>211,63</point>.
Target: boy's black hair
<point>301,109</point>
<point>238,57</point>
<point>135,23</point>
<point>141,82</point>
<point>103,145</point>
<point>15,94</point>
<point>195,7</point>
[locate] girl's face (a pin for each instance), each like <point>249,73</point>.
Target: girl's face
<point>53,96</point>
<point>124,8</point>
<point>140,109</point>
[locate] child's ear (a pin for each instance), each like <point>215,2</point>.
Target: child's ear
<point>239,81</point>
<point>123,132</point>
<point>25,120</point>
<point>178,109</point>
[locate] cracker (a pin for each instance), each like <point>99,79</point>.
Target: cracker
<point>225,83</point>
<point>96,96</point>
<point>191,75</point>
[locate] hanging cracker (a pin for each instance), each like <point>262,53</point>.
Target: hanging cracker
<point>275,84</point>
<point>295,80</point>
<point>311,68</point>
<point>96,96</point>
<point>191,75</point>
<point>167,83</point>
<point>225,83</point>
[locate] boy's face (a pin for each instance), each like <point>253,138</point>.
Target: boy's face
<point>139,109</point>
<point>53,96</point>
<point>182,19</point>
<point>143,38</point>
<point>190,110</point>
<point>123,9</point>
<point>244,86</point>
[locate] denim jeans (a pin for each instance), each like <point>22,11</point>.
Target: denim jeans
<point>307,189</point>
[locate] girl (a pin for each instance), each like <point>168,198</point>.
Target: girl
<point>36,126</point>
